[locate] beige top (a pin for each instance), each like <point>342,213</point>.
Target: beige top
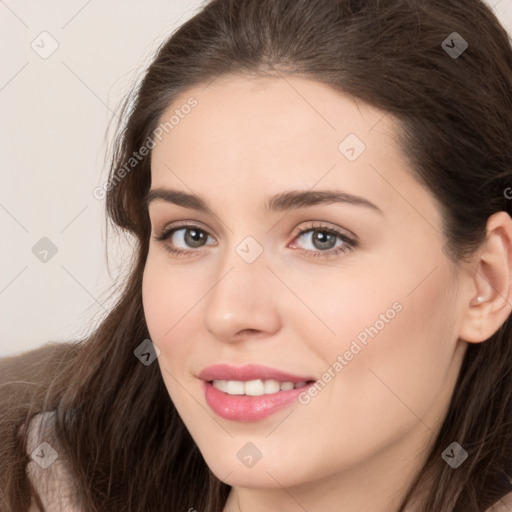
<point>503,505</point>
<point>47,469</point>
<point>48,474</point>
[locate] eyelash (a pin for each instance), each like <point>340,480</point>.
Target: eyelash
<point>349,243</point>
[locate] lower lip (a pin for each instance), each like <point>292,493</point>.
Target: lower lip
<point>248,408</point>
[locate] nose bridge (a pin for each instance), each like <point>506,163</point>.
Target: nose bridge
<point>242,295</point>
<point>243,264</point>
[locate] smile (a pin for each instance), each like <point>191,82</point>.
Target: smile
<point>256,387</point>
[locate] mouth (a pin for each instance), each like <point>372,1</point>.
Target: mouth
<point>249,373</point>
<point>250,393</point>
<point>257,387</point>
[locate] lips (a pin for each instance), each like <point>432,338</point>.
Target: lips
<point>249,372</point>
<point>220,380</point>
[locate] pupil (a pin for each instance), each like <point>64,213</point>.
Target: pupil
<point>193,236</point>
<point>325,240</point>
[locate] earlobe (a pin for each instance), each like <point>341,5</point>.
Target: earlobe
<point>490,307</point>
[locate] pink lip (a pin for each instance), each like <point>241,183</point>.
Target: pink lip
<point>248,372</point>
<point>246,408</point>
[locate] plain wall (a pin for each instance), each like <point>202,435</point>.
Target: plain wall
<point>55,110</point>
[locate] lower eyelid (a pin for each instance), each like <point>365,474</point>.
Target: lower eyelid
<point>349,244</point>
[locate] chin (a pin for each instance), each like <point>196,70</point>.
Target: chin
<point>260,475</point>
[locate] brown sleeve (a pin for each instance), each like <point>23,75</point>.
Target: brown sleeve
<point>24,381</point>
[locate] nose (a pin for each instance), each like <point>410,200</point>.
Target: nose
<point>243,302</point>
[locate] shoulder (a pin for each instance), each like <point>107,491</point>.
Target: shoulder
<point>28,374</point>
<point>47,470</point>
<point>502,505</point>
<point>50,353</point>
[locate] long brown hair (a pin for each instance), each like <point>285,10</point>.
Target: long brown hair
<point>125,443</point>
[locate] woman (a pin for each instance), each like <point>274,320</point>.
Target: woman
<point>318,311</point>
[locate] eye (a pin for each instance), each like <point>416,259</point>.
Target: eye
<point>189,236</point>
<point>324,241</point>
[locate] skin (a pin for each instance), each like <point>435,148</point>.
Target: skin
<point>359,443</point>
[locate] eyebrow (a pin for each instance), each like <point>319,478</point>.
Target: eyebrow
<point>284,201</point>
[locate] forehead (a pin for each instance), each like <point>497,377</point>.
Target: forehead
<point>252,135</point>
<point>239,114</point>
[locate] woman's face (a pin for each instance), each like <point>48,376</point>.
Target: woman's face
<point>364,301</point>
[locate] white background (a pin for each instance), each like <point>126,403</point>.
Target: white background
<point>54,115</point>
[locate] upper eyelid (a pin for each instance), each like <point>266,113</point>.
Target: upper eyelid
<point>168,231</point>
<point>200,225</point>
<point>183,225</point>
<point>195,224</point>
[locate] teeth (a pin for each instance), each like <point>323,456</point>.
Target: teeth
<point>271,386</point>
<point>286,386</point>
<point>235,387</point>
<point>255,387</point>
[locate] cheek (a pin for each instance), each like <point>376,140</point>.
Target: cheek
<point>168,306</point>
<point>397,359</point>
<point>156,298</point>
<point>169,297</point>
<point>392,356</point>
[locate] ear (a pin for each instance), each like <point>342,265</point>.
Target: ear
<point>489,297</point>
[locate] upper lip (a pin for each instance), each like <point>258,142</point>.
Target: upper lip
<point>249,372</point>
